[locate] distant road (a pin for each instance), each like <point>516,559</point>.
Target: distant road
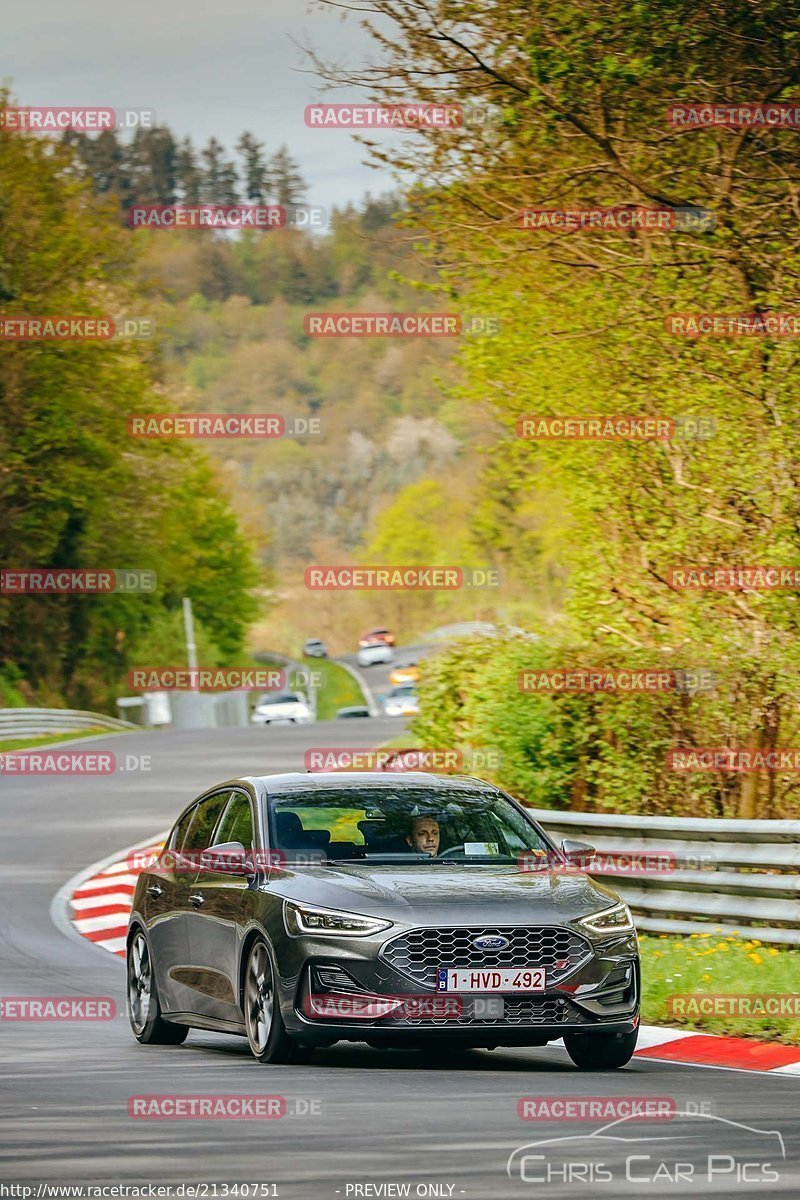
<point>376,678</point>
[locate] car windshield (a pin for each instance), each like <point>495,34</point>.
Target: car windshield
<point>415,824</point>
<point>401,690</point>
<point>279,698</point>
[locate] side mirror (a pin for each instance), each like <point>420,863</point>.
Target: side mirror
<point>578,852</point>
<point>230,858</point>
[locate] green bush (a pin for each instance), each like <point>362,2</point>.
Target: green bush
<point>604,751</point>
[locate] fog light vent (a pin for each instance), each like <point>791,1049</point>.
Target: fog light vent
<point>334,979</point>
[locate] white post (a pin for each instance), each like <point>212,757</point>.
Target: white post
<point>191,645</point>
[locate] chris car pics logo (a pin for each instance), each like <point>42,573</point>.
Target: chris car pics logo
<point>697,1150</point>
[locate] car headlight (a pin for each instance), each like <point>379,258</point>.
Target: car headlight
<point>617,919</point>
<point>303,919</point>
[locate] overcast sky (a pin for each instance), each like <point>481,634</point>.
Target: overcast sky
<point>207,67</point>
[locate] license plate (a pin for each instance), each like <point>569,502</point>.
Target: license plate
<point>501,979</point>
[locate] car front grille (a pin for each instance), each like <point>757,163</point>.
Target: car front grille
<point>418,953</point>
<point>527,1010</point>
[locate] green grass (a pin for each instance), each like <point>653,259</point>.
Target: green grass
<point>48,740</point>
<point>338,688</point>
<point>714,963</point>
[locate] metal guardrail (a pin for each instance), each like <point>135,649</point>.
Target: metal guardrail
<point>39,722</point>
<point>732,876</point>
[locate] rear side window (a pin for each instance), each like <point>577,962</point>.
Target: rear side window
<point>180,831</point>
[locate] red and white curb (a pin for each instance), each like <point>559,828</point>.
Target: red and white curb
<point>100,900</point>
<point>716,1050</point>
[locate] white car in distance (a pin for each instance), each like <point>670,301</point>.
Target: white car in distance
<point>402,701</point>
<point>286,708</point>
<point>375,652</point>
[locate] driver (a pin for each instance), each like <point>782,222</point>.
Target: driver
<point>424,836</point>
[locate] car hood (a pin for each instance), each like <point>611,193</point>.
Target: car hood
<point>460,894</point>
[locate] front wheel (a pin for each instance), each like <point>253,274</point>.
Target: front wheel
<point>144,1009</point>
<point>600,1051</point>
<point>266,1032</point>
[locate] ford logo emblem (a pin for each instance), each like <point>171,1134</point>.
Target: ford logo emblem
<point>491,942</point>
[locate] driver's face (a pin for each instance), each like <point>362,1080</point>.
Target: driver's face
<point>425,835</point>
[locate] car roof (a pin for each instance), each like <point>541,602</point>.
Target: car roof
<point>293,781</point>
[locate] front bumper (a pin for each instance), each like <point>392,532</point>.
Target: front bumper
<point>601,992</point>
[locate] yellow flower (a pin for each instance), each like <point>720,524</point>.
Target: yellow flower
<point>706,978</point>
<point>722,946</point>
<point>678,946</point>
<point>773,952</point>
<point>756,958</point>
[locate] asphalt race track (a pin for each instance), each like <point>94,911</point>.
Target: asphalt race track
<point>357,1116</point>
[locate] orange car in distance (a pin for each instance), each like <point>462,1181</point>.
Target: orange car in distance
<point>376,635</point>
<point>405,674</point>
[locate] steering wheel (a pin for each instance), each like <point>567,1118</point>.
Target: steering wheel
<point>451,850</point>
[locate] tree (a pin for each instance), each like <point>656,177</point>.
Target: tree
<point>76,490</point>
<point>187,173</point>
<point>287,182</point>
<point>577,119</point>
<point>255,175</point>
<point>152,165</point>
<point>213,171</point>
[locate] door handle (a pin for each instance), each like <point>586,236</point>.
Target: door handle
<point>154,890</point>
<point>197,899</point>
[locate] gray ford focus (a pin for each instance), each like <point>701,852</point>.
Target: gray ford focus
<point>409,910</point>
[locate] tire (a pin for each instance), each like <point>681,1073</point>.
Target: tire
<point>266,1033</point>
<point>600,1051</point>
<point>144,1009</point>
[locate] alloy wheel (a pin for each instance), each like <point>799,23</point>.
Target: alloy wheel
<point>140,982</point>
<point>259,998</point>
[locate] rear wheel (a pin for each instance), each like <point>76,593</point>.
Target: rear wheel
<point>600,1051</point>
<point>266,1032</point>
<point>144,1009</point>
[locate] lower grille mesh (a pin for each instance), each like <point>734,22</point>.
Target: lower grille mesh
<point>516,1012</point>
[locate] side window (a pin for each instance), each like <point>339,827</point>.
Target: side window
<point>236,823</point>
<point>205,816</point>
<point>180,831</point>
